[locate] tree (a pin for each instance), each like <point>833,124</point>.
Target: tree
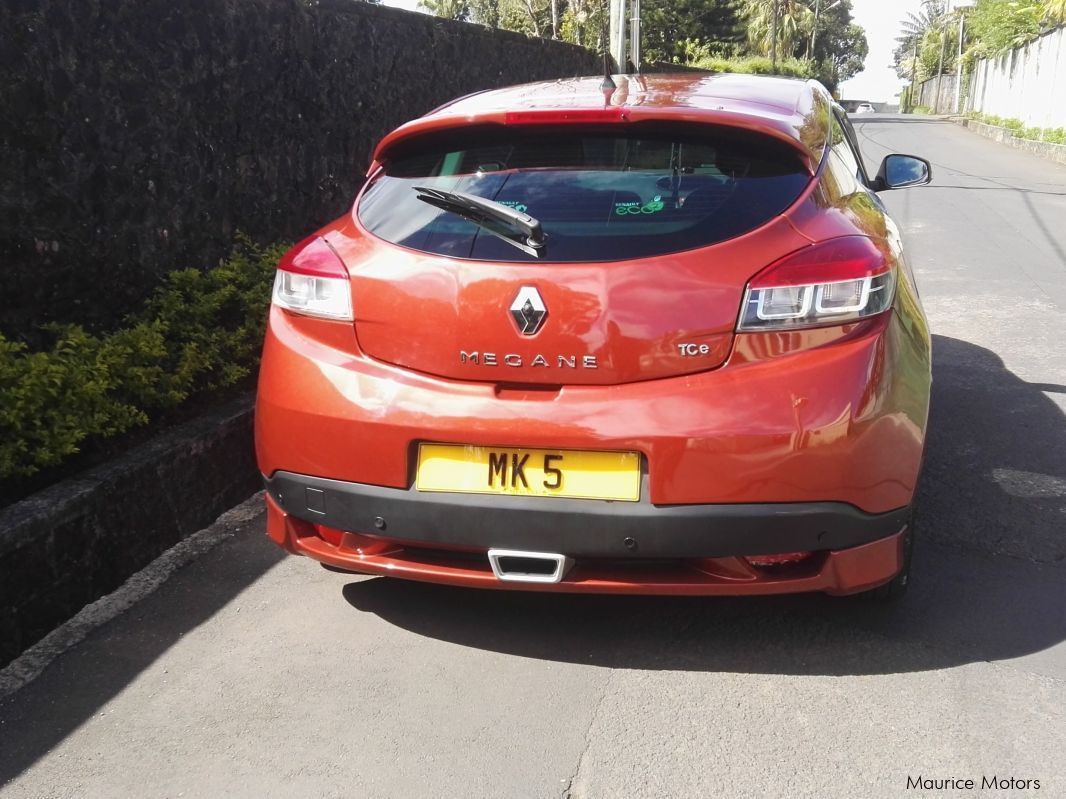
<point>584,22</point>
<point>690,31</point>
<point>485,12</point>
<point>449,9</point>
<point>667,24</point>
<point>792,18</point>
<point>844,55</point>
<point>941,38</point>
<point>532,17</point>
<point>915,27</point>
<point>1054,13</point>
<point>840,46</point>
<point>998,25</point>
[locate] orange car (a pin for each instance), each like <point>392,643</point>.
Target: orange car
<point>649,334</point>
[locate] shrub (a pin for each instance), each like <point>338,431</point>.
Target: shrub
<point>757,65</point>
<point>1021,130</point>
<point>199,333</point>
<point>1055,135</point>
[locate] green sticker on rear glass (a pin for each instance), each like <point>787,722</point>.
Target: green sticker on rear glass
<point>635,208</point>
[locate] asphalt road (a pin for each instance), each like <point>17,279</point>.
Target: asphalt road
<point>252,674</point>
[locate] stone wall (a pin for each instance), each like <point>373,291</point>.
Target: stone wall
<point>926,94</point>
<point>138,135</point>
<point>82,538</point>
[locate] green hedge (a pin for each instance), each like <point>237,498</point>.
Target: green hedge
<point>1021,130</point>
<point>201,332</point>
<point>758,65</point>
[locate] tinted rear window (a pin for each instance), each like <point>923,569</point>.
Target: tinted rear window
<point>601,195</point>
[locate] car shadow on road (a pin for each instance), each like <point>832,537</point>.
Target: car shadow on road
<point>988,583</point>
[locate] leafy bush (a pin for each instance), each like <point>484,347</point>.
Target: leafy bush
<point>757,65</point>
<point>199,333</point>
<point>1021,130</point>
<point>999,25</point>
<point>1055,135</point>
<point>1015,125</point>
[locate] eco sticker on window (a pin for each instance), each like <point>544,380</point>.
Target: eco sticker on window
<point>634,208</point>
<point>518,206</point>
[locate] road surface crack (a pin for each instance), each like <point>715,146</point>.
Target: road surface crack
<point>567,792</point>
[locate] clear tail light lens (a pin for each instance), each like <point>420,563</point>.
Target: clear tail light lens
<point>836,281</point>
<point>312,280</point>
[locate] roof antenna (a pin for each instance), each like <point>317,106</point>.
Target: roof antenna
<point>608,85</point>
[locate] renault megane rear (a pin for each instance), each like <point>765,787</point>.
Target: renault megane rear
<point>658,338</point>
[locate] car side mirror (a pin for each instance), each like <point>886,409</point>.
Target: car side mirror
<point>898,171</point>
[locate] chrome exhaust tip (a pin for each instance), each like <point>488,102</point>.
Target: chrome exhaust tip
<point>517,566</point>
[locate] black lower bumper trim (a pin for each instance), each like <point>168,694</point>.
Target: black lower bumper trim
<point>579,527</point>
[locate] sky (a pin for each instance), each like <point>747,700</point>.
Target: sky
<point>406,5</point>
<point>880,18</point>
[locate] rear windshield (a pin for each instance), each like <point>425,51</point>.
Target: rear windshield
<point>600,195</point>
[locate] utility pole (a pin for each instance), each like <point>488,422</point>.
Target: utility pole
<point>961,6</point>
<point>773,38</point>
<point>814,28</point>
<point>618,34</point>
<point>958,66</point>
<point>634,35</point>
<point>940,67</point>
<point>914,76</point>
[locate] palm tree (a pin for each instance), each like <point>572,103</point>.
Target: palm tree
<point>1054,12</point>
<point>768,37</point>
<point>449,9</point>
<point>915,25</point>
<point>913,30</point>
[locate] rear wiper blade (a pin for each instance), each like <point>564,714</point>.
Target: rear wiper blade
<point>516,228</point>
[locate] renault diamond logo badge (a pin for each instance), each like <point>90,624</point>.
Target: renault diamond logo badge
<point>528,311</point>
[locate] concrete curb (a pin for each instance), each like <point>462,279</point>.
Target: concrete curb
<point>80,539</point>
<point>27,666</point>
<point>1052,152</point>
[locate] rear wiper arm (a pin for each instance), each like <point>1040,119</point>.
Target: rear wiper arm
<point>516,228</point>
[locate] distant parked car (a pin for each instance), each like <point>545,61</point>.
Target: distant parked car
<point>864,108</point>
<point>660,343</point>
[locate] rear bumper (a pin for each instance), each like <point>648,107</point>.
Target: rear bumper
<point>617,547</point>
<point>578,527</point>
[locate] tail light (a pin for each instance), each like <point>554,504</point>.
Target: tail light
<point>837,281</point>
<point>312,280</point>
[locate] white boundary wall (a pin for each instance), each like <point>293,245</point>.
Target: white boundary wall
<point>1028,83</point>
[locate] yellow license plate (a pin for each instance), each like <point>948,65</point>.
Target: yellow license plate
<point>529,472</point>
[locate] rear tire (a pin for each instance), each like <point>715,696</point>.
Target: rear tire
<point>895,588</point>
